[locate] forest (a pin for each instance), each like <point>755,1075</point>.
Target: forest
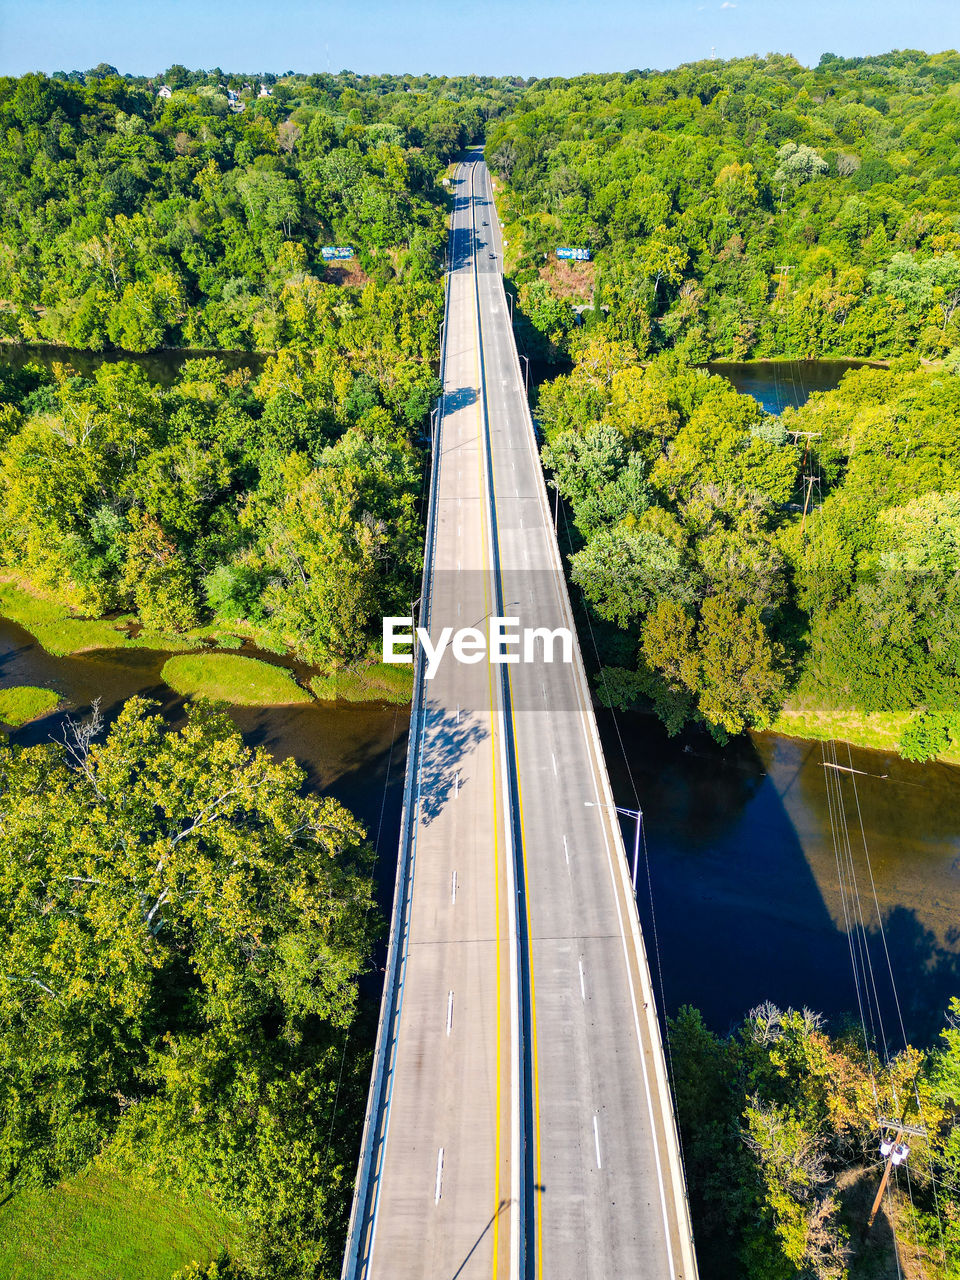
<point>741,209</point>
<point>779,1121</point>
<point>133,220</point>
<point>183,932</point>
<point>736,564</point>
<point>741,570</point>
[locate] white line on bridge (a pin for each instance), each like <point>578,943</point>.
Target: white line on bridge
<point>453,889</point>
<point>596,1143</point>
<point>457,785</point>
<point>449,1013</point>
<point>437,1189</point>
<point>566,851</point>
<point>553,757</point>
<point>583,992</point>
<point>458,713</point>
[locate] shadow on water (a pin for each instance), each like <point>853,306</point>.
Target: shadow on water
<point>745,884</point>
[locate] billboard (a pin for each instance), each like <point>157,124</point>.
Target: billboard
<point>581,255</point>
<point>329,252</point>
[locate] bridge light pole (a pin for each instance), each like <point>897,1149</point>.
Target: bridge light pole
<point>637,815</point>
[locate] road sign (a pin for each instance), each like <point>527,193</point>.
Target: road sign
<point>331,251</point>
<point>580,255</point>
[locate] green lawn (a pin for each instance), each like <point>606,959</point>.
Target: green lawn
<point>228,678</point>
<point>103,1227</point>
<point>54,626</point>
<point>378,682</point>
<point>23,702</point>
<point>880,730</point>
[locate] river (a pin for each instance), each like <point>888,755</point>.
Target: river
<point>746,904</point>
<point>777,384</point>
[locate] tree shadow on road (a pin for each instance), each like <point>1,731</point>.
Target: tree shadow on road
<point>449,739</point>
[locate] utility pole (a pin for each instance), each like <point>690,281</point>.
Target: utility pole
<point>806,503</point>
<point>894,1153</point>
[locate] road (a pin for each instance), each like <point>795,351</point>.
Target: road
<point>520,1121</point>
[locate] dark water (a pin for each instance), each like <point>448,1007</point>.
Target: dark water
<point>746,891</point>
<point>746,896</point>
<point>777,384</point>
<point>354,753</point>
<point>782,384</point>
<point>159,366</point>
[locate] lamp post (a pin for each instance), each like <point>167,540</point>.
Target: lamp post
<point>637,815</point>
<point>526,372</point>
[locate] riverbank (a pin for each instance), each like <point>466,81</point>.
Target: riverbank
<point>256,673</point>
<point>265,682</point>
<point>877,731</point>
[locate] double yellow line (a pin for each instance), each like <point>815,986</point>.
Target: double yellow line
<point>516,767</point>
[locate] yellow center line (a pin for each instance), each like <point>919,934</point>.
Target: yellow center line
<point>533,995</point>
<point>533,1000</point>
<point>496,840</point>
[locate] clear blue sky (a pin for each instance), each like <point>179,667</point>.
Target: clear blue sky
<point>496,37</point>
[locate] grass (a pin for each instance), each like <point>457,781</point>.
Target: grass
<point>880,730</point>
<point>104,1227</point>
<point>376,682</point>
<point>54,626</point>
<point>23,702</point>
<point>58,631</point>
<point>229,678</point>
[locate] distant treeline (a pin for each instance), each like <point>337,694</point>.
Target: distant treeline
<point>742,209</point>
<point>133,219</point>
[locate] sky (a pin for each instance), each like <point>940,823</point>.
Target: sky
<point>493,37</point>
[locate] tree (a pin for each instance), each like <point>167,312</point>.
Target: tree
<point>624,573</point>
<point>183,932</point>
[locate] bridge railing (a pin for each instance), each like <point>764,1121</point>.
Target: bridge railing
<point>360,1231</point>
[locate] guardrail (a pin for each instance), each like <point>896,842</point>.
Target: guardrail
<point>366,1191</point>
<point>687,1267</point>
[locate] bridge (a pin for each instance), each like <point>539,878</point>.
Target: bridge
<point>520,1122</point>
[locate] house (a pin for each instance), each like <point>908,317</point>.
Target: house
<point>164,91</point>
<point>265,92</point>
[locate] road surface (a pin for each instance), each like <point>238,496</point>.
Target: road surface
<point>520,1121</point>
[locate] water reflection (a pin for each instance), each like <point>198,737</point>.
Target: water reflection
<point>781,384</point>
<point>745,881</point>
